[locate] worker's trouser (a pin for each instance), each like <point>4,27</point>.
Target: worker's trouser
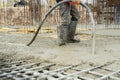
<point>69,15</point>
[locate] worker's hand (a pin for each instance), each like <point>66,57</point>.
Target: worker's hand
<point>77,1</point>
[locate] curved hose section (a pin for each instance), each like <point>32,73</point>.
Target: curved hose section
<point>93,28</point>
<point>40,25</point>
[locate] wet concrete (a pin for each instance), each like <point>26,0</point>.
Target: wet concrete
<point>45,48</point>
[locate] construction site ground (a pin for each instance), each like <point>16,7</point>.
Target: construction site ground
<point>45,47</point>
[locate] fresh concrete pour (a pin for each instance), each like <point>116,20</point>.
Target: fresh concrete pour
<point>45,46</point>
<point>46,51</point>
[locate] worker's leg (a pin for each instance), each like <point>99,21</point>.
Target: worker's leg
<point>60,36</point>
<point>62,30</point>
<point>72,26</point>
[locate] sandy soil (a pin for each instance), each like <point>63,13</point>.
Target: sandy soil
<point>45,47</point>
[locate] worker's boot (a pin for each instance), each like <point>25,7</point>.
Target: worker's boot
<point>60,35</point>
<point>72,29</point>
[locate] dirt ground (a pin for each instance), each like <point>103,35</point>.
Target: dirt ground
<point>45,47</point>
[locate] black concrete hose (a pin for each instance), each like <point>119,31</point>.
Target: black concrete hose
<point>40,25</point>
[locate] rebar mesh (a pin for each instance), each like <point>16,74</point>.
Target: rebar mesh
<point>27,16</point>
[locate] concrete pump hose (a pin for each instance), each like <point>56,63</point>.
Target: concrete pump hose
<point>40,25</point>
<point>93,28</point>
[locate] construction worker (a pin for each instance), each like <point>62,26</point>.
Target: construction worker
<point>69,16</point>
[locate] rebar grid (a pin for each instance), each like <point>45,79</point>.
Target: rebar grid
<point>29,16</point>
<point>42,71</point>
